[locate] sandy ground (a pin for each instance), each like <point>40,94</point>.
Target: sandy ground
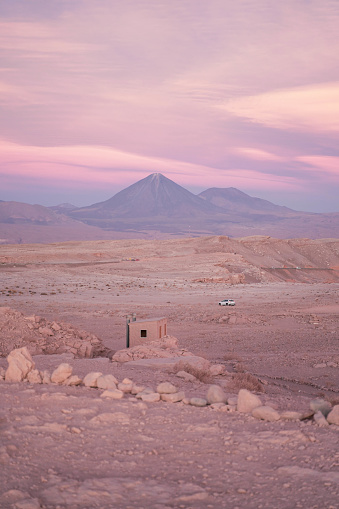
<point>57,450</point>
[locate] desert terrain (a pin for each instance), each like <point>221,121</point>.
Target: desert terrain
<point>69,447</point>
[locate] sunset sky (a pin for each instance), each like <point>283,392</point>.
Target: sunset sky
<point>95,95</point>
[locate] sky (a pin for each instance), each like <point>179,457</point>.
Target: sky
<point>96,95</point>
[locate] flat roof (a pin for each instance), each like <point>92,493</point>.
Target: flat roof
<point>148,320</point>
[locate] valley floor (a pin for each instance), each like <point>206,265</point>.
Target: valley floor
<point>55,448</point>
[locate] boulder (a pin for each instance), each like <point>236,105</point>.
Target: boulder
<point>215,394</point>
<point>247,401</point>
<point>73,380</point>
<point>136,389</point>
<point>86,350</point>
<point>200,402</point>
<point>291,415</point>
<point>61,373</point>
<point>45,376</point>
<point>195,362</point>
<point>166,388</point>
<point>321,405</point>
<point>217,369</point>
<point>151,397</point>
<point>126,385</point>
<point>91,379</point>
<point>161,348</point>
<point>186,376</point>
<point>320,419</point>
<point>107,382</point>
<point>333,416</point>
<point>34,376</point>
<point>265,413</point>
<point>20,363</point>
<point>172,397</point>
<point>112,394</point>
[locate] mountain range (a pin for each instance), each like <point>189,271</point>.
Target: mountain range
<point>157,207</point>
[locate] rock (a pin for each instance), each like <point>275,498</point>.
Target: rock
<point>321,365</point>
<point>150,397</point>
<point>227,408</point>
<point>186,376</point>
<point>320,419</point>
<point>73,380</point>
<point>86,350</point>
<point>193,361</point>
<point>290,415</point>
<point>160,348</point>
<point>200,402</point>
<point>166,388</point>
<point>126,385</point>
<point>136,389</point>
<point>91,378</point>
<point>2,373</point>
<point>13,496</point>
<point>107,382</point>
<point>46,331</point>
<point>333,416</point>
<point>247,401</point>
<point>34,377</point>
<point>265,413</point>
<point>173,397</point>
<point>215,394</point>
<point>28,503</point>
<point>307,415</point>
<point>113,394</point>
<point>111,418</point>
<point>217,369</point>
<point>61,373</point>
<point>20,363</point>
<point>45,376</point>
<point>217,406</point>
<point>55,326</point>
<point>321,405</point>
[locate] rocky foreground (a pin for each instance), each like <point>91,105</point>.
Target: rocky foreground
<point>94,441</point>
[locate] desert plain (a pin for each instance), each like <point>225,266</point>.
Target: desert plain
<point>69,447</point>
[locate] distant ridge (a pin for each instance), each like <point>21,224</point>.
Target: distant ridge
<point>63,208</point>
<point>18,213</point>
<point>233,200</point>
<point>157,207</point>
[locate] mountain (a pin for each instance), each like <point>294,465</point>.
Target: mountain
<point>233,200</point>
<point>157,207</point>
<point>153,196</point>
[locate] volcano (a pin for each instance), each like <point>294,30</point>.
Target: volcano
<point>153,196</point>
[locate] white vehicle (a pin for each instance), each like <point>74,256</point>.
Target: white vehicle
<point>227,302</point>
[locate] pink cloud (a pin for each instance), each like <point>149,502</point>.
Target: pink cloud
<point>310,108</point>
<point>325,164</point>
<point>102,165</point>
<point>258,154</point>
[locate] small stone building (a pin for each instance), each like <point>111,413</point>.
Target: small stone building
<point>140,332</point>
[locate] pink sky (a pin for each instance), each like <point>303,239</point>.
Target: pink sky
<point>97,95</point>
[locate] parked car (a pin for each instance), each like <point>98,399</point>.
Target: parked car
<point>227,302</point>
